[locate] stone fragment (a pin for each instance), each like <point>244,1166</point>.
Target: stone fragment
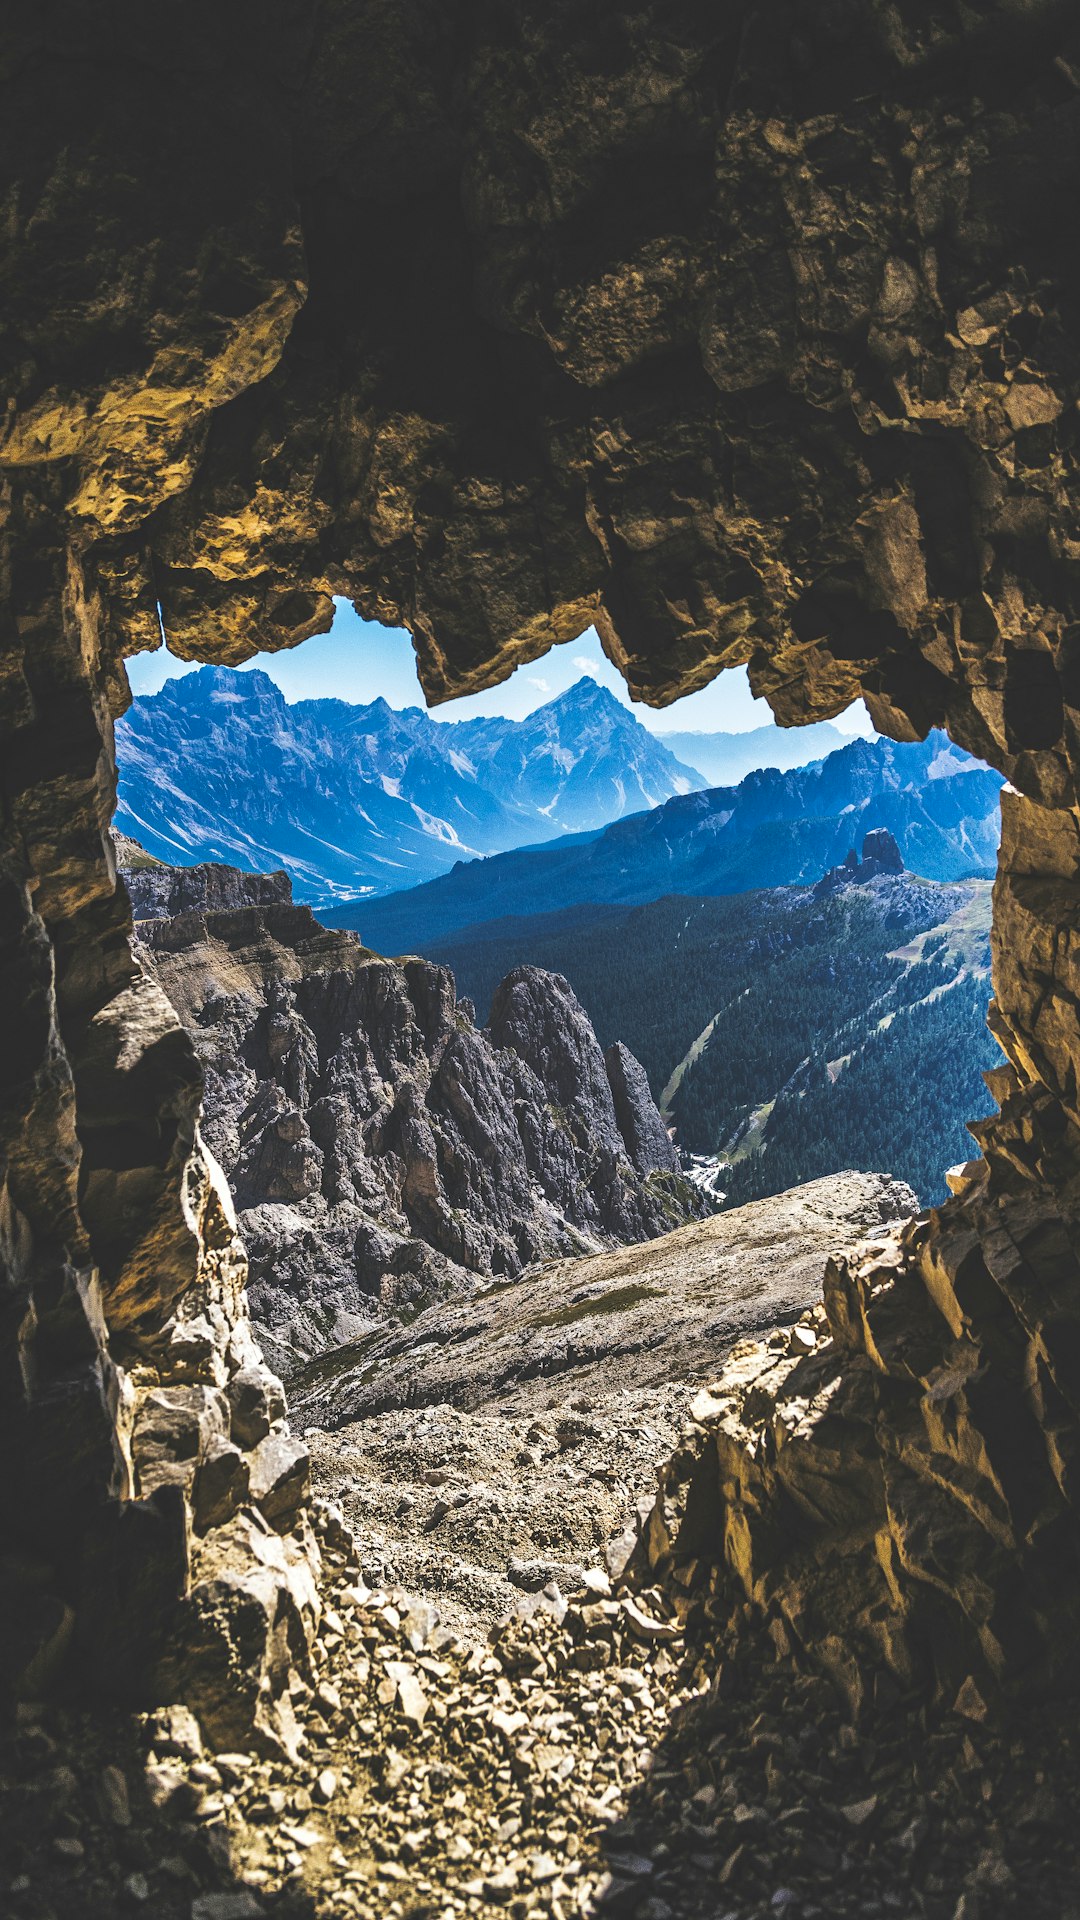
<point>619,1552</point>
<point>163,1782</point>
<point>174,1429</point>
<point>191,1346</point>
<point>256,1404</point>
<point>969,1701</point>
<point>645,1624</point>
<point>115,1802</point>
<point>279,1472</point>
<point>860,1811</point>
<point>175,1730</point>
<point>419,1624</point>
<point>411,1697</point>
<point>221,1485</point>
<point>1030,405</point>
<point>508,1724</point>
<point>241,1905</point>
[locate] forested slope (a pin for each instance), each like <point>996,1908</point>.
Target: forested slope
<point>787,1034</point>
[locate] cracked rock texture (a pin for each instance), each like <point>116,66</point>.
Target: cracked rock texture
<point>383,1151</point>
<point>751,336</point>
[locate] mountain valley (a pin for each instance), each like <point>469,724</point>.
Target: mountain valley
<point>788,1032</point>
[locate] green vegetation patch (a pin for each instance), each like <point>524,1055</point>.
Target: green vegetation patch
<point>616,1300</point>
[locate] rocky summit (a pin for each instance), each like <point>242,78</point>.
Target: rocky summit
<point>382,1149</point>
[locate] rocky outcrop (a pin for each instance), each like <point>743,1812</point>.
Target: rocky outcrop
<point>159,892</point>
<point>880,854</point>
<point>752,338</point>
<point>636,1114</point>
<point>382,1150</point>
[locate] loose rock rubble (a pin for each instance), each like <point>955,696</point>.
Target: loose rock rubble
<point>506,1440</point>
<point>634,1750</point>
<point>477,1511</point>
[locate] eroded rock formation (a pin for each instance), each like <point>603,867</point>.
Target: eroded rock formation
<point>750,335</point>
<point>383,1151</point>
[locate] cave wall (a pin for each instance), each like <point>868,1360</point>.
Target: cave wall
<point>747,331</point>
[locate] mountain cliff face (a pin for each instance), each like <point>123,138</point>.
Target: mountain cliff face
<point>381,1149</point>
<point>361,800</point>
<point>579,761</point>
<point>772,830</point>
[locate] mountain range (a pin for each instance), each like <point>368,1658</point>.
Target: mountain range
<point>773,829</point>
<point>357,801</point>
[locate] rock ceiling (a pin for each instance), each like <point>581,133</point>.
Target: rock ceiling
<point>747,331</point>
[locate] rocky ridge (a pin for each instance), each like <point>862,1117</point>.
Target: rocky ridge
<point>773,829</point>
<point>382,1149</point>
<point>880,855</point>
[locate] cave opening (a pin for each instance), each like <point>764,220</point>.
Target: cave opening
<point>834,367</point>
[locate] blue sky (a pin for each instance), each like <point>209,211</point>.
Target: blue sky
<point>358,660</point>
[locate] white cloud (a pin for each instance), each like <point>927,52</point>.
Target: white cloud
<point>536,681</point>
<point>584,665</point>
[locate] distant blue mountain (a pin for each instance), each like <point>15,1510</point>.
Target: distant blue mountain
<point>727,758</point>
<point>773,829</point>
<point>357,801</point>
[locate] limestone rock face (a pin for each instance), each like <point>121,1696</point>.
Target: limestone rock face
<point>383,1152</point>
<point>751,337</point>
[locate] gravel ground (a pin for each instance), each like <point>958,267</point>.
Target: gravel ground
<point>504,1441</point>
<point>632,1754</point>
<point>610,1749</point>
<point>474,1510</point>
